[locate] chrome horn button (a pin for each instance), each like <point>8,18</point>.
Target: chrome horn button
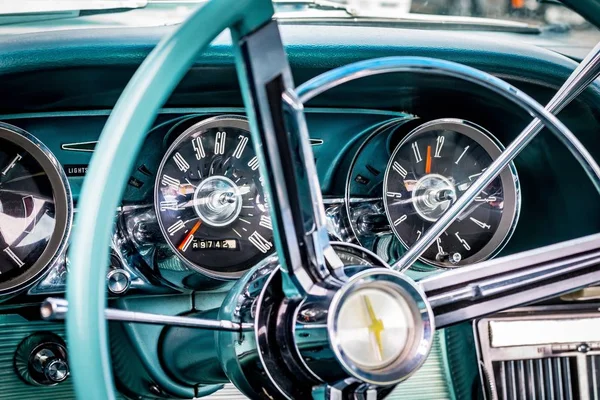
<point>374,325</point>
<point>380,327</point>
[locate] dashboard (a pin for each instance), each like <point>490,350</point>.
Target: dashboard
<point>391,155</point>
<point>194,214</point>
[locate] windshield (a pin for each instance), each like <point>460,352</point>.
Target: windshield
<point>571,33</point>
<point>529,11</point>
<point>568,31</point>
<point>532,12</point>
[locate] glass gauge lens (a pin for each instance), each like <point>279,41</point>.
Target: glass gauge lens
<point>34,209</point>
<point>431,168</point>
<point>210,201</point>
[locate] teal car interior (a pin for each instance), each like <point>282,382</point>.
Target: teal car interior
<point>241,202</point>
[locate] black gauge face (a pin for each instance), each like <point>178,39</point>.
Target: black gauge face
<point>210,200</point>
<point>433,167</point>
<point>34,209</point>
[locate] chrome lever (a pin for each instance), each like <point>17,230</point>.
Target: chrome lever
<point>282,144</point>
<point>53,309</point>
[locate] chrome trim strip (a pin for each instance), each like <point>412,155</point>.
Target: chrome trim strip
<point>197,110</point>
<point>88,147</point>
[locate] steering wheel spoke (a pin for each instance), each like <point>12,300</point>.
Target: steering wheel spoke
<point>512,281</point>
<point>282,144</point>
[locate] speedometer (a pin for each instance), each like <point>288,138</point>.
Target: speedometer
<point>210,201</point>
<point>429,170</point>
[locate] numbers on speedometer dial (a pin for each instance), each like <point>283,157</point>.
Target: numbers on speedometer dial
<point>431,168</point>
<point>210,200</point>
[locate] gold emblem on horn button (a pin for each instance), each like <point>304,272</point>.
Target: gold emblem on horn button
<point>376,327</point>
<point>373,327</point>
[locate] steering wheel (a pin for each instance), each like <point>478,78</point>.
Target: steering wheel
<point>307,274</point>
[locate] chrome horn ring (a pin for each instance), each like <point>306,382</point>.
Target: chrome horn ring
<point>580,78</point>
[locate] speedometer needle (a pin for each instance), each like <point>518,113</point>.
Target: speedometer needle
<point>428,162</point>
<point>188,237</point>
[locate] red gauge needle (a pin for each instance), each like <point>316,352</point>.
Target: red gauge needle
<point>428,162</point>
<point>189,235</point>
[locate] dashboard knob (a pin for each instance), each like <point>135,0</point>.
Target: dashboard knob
<point>118,281</point>
<point>41,359</point>
<point>56,370</point>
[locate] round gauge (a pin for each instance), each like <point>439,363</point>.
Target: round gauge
<point>210,200</point>
<point>429,170</point>
<point>35,208</point>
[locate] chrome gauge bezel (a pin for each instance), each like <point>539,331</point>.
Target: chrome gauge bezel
<point>509,179</point>
<point>384,127</point>
<point>233,121</point>
<point>63,204</point>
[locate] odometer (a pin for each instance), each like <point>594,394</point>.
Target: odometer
<point>210,244</point>
<point>431,168</point>
<point>210,201</point>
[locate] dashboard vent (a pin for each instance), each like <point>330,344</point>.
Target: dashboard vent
<point>540,353</point>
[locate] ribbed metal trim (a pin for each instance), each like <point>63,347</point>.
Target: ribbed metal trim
<point>552,378</point>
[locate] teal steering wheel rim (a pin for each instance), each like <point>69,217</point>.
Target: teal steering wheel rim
<point>109,168</point>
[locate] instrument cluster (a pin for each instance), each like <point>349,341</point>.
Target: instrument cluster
<point>200,215</point>
<point>213,215</point>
